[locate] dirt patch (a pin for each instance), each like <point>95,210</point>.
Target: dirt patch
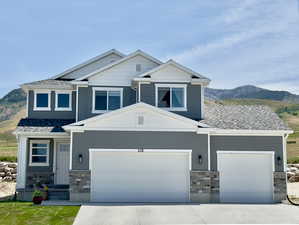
<point>7,189</point>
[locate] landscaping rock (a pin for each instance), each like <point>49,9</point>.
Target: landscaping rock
<point>7,179</point>
<point>2,174</point>
<point>14,176</point>
<point>12,165</point>
<point>294,179</point>
<point>290,174</point>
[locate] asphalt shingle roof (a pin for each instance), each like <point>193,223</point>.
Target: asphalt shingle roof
<point>242,117</point>
<point>49,83</point>
<point>43,125</point>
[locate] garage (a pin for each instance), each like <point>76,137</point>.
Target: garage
<point>245,176</point>
<point>132,175</point>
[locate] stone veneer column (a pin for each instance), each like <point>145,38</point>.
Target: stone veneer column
<point>79,185</point>
<point>204,186</point>
<point>280,186</point>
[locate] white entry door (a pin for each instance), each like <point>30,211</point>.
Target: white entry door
<point>62,163</point>
<point>132,176</point>
<point>246,177</point>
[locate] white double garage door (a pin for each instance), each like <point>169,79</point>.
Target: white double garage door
<point>128,175</point>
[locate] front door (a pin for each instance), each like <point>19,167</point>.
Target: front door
<point>62,163</point>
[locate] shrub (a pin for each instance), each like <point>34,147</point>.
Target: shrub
<point>8,159</point>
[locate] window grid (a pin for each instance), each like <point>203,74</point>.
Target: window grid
<point>39,155</point>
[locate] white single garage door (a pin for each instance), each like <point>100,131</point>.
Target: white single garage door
<point>132,176</point>
<point>246,177</point>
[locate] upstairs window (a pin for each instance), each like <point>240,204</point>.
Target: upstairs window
<point>42,100</point>
<point>171,97</point>
<point>106,99</point>
<point>138,67</point>
<point>39,153</point>
<point>63,101</point>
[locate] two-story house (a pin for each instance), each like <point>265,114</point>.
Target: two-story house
<point>130,128</point>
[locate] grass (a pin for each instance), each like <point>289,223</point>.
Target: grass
<point>24,213</point>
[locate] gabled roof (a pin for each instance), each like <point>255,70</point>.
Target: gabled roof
<point>138,52</point>
<point>177,65</point>
<point>126,119</point>
<point>242,117</point>
<point>89,62</point>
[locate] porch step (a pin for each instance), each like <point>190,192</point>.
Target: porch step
<point>59,195</point>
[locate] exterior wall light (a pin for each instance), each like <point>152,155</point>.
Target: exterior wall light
<point>278,160</point>
<point>80,158</point>
<point>199,159</point>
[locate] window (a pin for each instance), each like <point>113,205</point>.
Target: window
<point>42,100</point>
<point>63,101</point>
<point>171,97</point>
<point>39,153</point>
<point>106,99</point>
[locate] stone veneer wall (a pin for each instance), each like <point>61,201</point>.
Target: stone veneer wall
<point>80,185</point>
<point>204,186</point>
<point>280,186</point>
<point>38,178</point>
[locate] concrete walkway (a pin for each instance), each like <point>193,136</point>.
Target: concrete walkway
<point>138,214</point>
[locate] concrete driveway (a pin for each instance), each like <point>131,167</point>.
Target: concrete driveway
<point>140,214</point>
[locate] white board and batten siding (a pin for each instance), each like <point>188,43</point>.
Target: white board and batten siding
<point>169,73</point>
<point>126,175</point>
<point>92,66</point>
<point>123,73</point>
<point>246,177</point>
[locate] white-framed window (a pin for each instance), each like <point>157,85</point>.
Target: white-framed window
<point>42,100</point>
<point>63,101</point>
<point>39,153</point>
<point>172,97</point>
<point>106,99</point>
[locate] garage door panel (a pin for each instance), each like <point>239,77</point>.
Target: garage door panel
<point>246,177</point>
<point>139,177</point>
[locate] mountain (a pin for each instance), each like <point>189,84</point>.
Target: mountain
<point>11,104</point>
<point>250,92</point>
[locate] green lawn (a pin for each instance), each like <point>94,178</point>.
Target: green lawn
<point>23,213</point>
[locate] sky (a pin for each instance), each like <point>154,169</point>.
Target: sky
<point>232,42</point>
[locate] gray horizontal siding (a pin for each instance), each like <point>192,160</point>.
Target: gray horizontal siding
<point>82,142</point>
<point>51,114</point>
<point>85,101</point>
<point>148,95</point>
<point>246,143</point>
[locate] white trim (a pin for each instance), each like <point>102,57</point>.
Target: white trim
<point>202,101</point>
<point>35,108</point>
<point>184,86</point>
<point>71,151</point>
<point>232,132</point>
<point>42,134</point>
<point>54,158</point>
<point>79,129</point>
<point>107,89</point>
<point>209,152</point>
<point>77,102</point>
<point>70,93</point>
<point>27,102</point>
<point>138,52</point>
<point>179,66</point>
<point>48,152</point>
<point>89,62</point>
<point>22,162</point>
<point>284,150</point>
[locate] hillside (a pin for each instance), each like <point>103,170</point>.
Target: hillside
<point>11,104</point>
<point>250,92</point>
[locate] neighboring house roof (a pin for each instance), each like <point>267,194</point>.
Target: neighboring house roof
<point>49,84</point>
<point>242,117</point>
<point>177,65</point>
<point>138,52</point>
<point>89,62</point>
<point>42,125</point>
